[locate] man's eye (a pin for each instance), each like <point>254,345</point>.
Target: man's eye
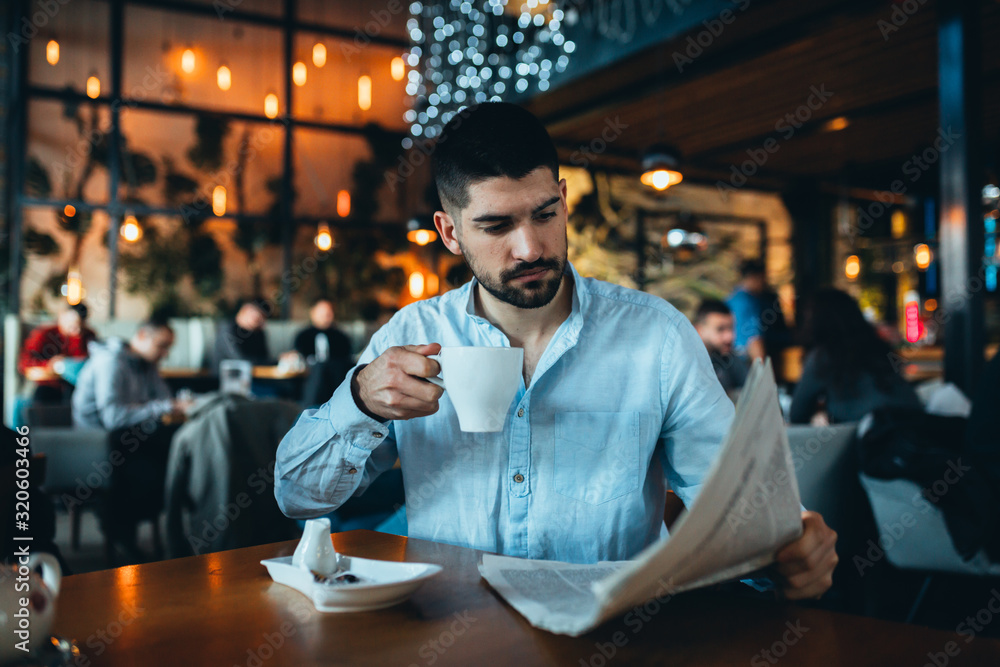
<point>546,216</point>
<point>495,229</point>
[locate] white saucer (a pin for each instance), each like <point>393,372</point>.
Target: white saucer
<point>385,583</point>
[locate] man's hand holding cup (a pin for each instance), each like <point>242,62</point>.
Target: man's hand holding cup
<point>392,386</point>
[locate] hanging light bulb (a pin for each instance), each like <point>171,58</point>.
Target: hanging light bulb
<point>420,230</point>
<point>299,73</point>
<point>187,61</point>
<point>74,286</point>
<point>219,200</point>
<point>69,210</point>
<point>130,230</point>
<point>52,52</point>
<point>397,68</point>
<point>416,284</point>
<point>852,267</point>
<point>922,256</point>
<point>659,168</point>
<point>343,203</point>
<point>365,92</point>
<point>93,87</point>
<point>271,105</point>
<point>224,77</point>
<point>319,54</point>
<point>324,239</point>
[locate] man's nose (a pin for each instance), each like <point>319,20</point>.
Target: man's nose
<point>527,246</point>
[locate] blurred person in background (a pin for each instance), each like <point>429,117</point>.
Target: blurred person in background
<point>847,369</point>
<point>714,323</point>
<point>747,305</point>
<point>326,350</point>
<point>120,390</point>
<point>243,337</point>
<point>51,346</point>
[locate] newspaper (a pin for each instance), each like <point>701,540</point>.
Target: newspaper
<point>747,510</point>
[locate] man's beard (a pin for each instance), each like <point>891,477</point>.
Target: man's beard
<point>534,294</point>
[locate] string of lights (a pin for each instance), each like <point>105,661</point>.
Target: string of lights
<point>471,52</point>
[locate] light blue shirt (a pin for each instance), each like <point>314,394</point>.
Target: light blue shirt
<point>747,325</point>
<point>623,403</point>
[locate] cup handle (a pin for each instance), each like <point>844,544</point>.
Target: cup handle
<point>51,571</point>
<point>437,378</point>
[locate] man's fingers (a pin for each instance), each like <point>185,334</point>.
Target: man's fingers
<point>812,583</point>
<point>806,553</point>
<point>412,360</point>
<point>401,406</point>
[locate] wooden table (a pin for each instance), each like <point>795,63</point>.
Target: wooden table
<point>223,609</point>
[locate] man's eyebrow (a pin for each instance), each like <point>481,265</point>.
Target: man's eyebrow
<point>501,218</point>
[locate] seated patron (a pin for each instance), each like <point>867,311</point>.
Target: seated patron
<point>714,323</point>
<point>120,390</point>
<point>325,350</point>
<point>847,369</point>
<point>243,338</point>
<point>618,397</point>
<point>120,385</point>
<point>50,346</point>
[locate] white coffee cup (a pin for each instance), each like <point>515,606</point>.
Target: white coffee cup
<point>28,622</point>
<point>481,382</point>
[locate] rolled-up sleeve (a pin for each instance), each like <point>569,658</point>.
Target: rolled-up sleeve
<point>332,453</point>
<point>697,412</point>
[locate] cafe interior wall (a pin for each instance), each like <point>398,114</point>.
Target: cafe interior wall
<point>603,211</point>
<point>65,141</point>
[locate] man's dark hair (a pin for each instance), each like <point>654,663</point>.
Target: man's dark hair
<point>81,310</point>
<point>752,267</point>
<point>489,140</point>
<point>155,323</point>
<point>260,303</point>
<point>709,306</point>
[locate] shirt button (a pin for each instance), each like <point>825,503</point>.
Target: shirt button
<point>352,471</point>
<point>520,412</point>
<point>518,478</point>
<point>376,434</point>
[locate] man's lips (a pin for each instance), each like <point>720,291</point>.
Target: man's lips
<point>530,276</point>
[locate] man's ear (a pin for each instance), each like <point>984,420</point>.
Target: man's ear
<point>449,234</point>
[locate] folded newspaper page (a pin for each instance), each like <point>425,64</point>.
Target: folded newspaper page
<point>747,510</point>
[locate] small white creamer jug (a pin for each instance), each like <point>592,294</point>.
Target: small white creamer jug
<point>315,550</point>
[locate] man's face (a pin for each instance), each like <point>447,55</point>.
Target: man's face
<point>513,235</point>
<point>153,345</point>
<point>754,283</point>
<point>321,315</point>
<point>716,330</point>
<point>250,317</point>
<point>69,323</point>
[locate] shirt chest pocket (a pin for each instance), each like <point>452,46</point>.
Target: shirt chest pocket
<point>597,455</point>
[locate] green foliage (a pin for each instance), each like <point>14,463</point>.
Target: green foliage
<point>36,179</point>
<point>39,243</point>
<point>157,264</point>
<point>210,132</point>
